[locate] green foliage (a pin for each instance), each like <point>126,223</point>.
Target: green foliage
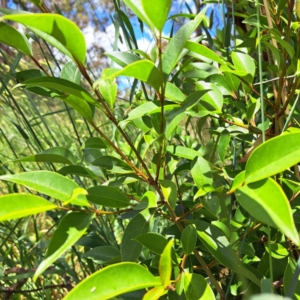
<point>186,189</point>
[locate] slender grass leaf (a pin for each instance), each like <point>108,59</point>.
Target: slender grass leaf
<point>291,280</point>
<point>266,201</point>
<point>157,12</point>
<point>15,206</point>
<point>57,31</point>
<point>189,239</point>
<point>165,265</point>
<point>13,38</point>
<point>68,232</point>
<point>131,249</point>
<point>218,245</point>
<point>48,183</point>
<point>119,279</point>
<point>266,160</point>
<point>55,155</point>
<point>108,196</point>
<point>196,288</point>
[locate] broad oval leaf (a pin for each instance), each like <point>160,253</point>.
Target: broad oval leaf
<point>131,249</point>
<point>189,239</point>
<point>108,89</point>
<point>266,202</point>
<point>13,38</point>
<point>103,255</point>
<point>50,26</point>
<point>244,62</point>
<point>196,288</point>
<point>70,229</point>
<point>48,183</point>
<point>54,155</point>
<point>71,72</point>
<point>15,206</point>
<point>108,196</point>
<point>165,265</point>
<point>155,242</point>
<point>113,281</point>
<point>201,172</point>
<point>266,160</point>
<point>77,170</point>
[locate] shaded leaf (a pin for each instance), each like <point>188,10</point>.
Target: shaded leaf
<point>103,254</point>
<point>189,239</point>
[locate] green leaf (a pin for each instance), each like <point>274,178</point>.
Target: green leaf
<point>201,172</point>
<point>13,38</point>
<point>266,160</point>
<point>277,251</point>
<point>173,51</point>
<point>131,249</point>
<point>54,155</point>
<point>113,164</point>
<point>169,191</point>
<point>108,89</point>
<point>56,30</point>
<point>244,62</point>
<point>122,58</point>
<point>77,170</point>
<point>291,283</point>
<point>144,70</point>
<point>157,12</point>
<point>189,239</point>
<point>148,200</point>
<point>183,152</point>
<point>218,245</point>
<point>266,202</point>
<point>71,72</point>
<point>173,123</point>
<point>48,183</point>
<point>155,242</point>
<point>103,254</point>
<point>62,85</point>
<point>165,265</point>
<point>196,288</point>
<point>96,142</point>
<point>15,206</point>
<point>155,293</point>
<point>204,51</point>
<point>70,229</point>
<point>108,196</point>
<point>297,8</point>
<point>119,279</point>
<point>172,92</point>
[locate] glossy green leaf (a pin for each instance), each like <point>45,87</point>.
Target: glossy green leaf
<point>183,152</point>
<point>165,265</point>
<point>169,191</point>
<point>148,200</point>
<point>173,51</point>
<point>173,123</point>
<point>96,142</point>
<point>155,293</point>
<point>70,229</point>
<point>119,279</point>
<point>157,12</point>
<point>103,254</point>
<point>77,170</point>
<point>218,245</point>
<point>277,250</point>
<point>144,70</point>
<point>266,160</point>
<point>108,196</point>
<point>189,239</point>
<point>155,242</point>
<point>266,202</point>
<point>15,206</point>
<point>13,38</point>
<point>55,29</point>
<point>204,51</point>
<point>108,89</point>
<point>48,183</point>
<point>54,155</point>
<point>172,92</point>
<point>131,249</point>
<point>196,288</point>
<point>62,85</point>
<point>244,62</point>
<point>70,72</point>
<point>201,172</point>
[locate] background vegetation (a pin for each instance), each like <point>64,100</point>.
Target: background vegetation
<point>163,172</point>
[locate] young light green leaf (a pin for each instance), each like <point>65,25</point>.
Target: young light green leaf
<point>169,191</point>
<point>13,38</point>
<point>157,12</point>
<point>201,172</point>
<point>177,43</point>
<point>218,245</point>
<point>266,160</point>
<point>71,72</point>
<point>16,206</point>
<point>55,155</point>
<point>196,288</point>
<point>266,202</point>
<point>144,70</point>
<point>155,293</point>
<point>48,183</point>
<point>107,196</point>
<point>56,30</point>
<point>165,265</point>
<point>119,279</point>
<point>108,89</point>
<point>131,249</point>
<point>69,230</point>
<point>174,93</point>
<point>189,239</point>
